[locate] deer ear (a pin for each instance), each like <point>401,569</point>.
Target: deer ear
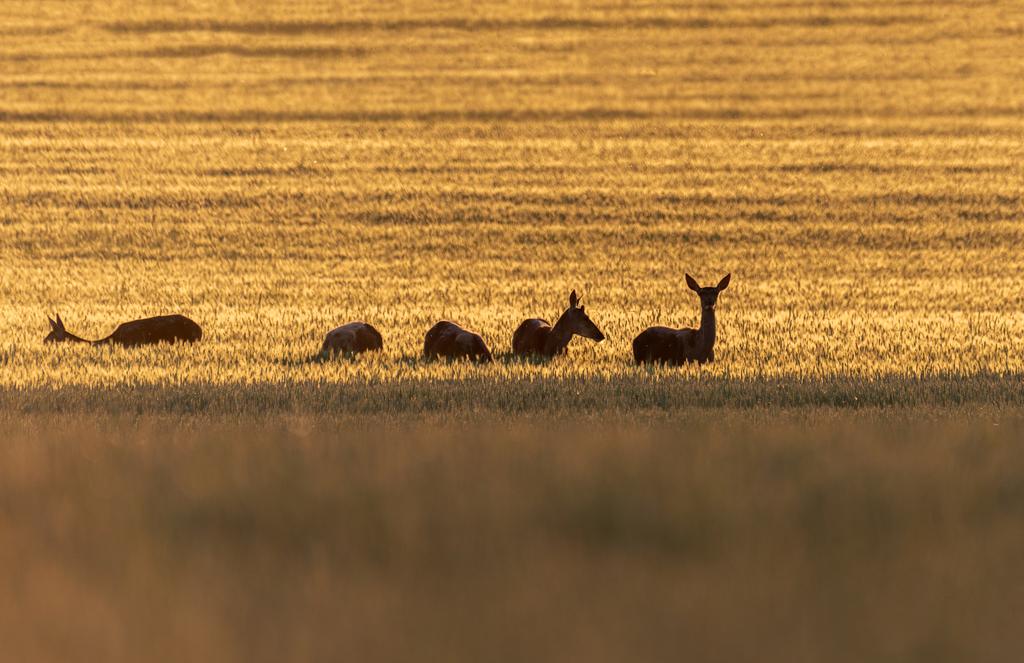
<point>724,282</point>
<point>53,325</point>
<point>60,323</point>
<point>573,300</point>
<point>690,282</point>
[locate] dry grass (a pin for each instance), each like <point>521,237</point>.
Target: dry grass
<point>273,173</point>
<point>828,536</point>
<point>901,273</point>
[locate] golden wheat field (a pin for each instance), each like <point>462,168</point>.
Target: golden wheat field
<point>843,483</point>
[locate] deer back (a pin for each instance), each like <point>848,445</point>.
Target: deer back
<point>149,331</point>
<point>353,337</point>
<point>530,336</point>
<point>447,339</point>
<point>658,345</point>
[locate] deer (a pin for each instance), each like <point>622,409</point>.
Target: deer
<point>150,331</point>
<point>679,346</point>
<point>354,337</point>
<point>536,336</point>
<point>447,339</point>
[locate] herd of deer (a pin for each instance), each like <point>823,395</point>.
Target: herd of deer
<point>447,339</point>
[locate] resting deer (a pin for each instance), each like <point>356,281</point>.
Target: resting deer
<point>536,336</point>
<point>447,339</point>
<point>164,328</point>
<point>354,337</point>
<point>677,346</point>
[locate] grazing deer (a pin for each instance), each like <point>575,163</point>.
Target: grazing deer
<point>60,335</point>
<point>164,328</point>
<point>536,336</point>
<point>447,339</point>
<point>677,346</point>
<point>354,337</point>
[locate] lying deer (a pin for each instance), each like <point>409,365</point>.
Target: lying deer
<point>536,336</point>
<point>677,346</point>
<point>447,339</point>
<point>164,328</point>
<point>354,337</point>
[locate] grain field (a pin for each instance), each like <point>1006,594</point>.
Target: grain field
<point>843,483</point>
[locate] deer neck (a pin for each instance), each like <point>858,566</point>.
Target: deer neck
<point>708,330</point>
<point>75,339</point>
<point>559,337</point>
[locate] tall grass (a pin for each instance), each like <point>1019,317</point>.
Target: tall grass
<point>904,267</point>
<point>724,535</point>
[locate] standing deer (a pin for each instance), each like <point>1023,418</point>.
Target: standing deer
<point>677,346</point>
<point>447,339</point>
<point>164,328</point>
<point>536,336</point>
<point>354,337</point>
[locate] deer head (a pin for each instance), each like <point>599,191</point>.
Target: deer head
<point>60,335</point>
<point>579,323</point>
<point>57,332</point>
<point>708,296</point>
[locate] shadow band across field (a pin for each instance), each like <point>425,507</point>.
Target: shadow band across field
<point>648,390</point>
<point>467,115</point>
<point>299,28</point>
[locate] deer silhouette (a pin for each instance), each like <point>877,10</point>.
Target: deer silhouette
<point>447,339</point>
<point>677,346</point>
<point>536,336</point>
<point>164,328</point>
<point>353,337</point>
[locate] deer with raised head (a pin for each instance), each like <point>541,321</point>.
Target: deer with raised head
<point>678,346</point>
<point>353,337</point>
<point>161,329</point>
<point>536,336</point>
<point>447,339</point>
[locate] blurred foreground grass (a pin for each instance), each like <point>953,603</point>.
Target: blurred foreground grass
<point>799,535</point>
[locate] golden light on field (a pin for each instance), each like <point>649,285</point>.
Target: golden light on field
<point>894,256</point>
<point>844,482</point>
